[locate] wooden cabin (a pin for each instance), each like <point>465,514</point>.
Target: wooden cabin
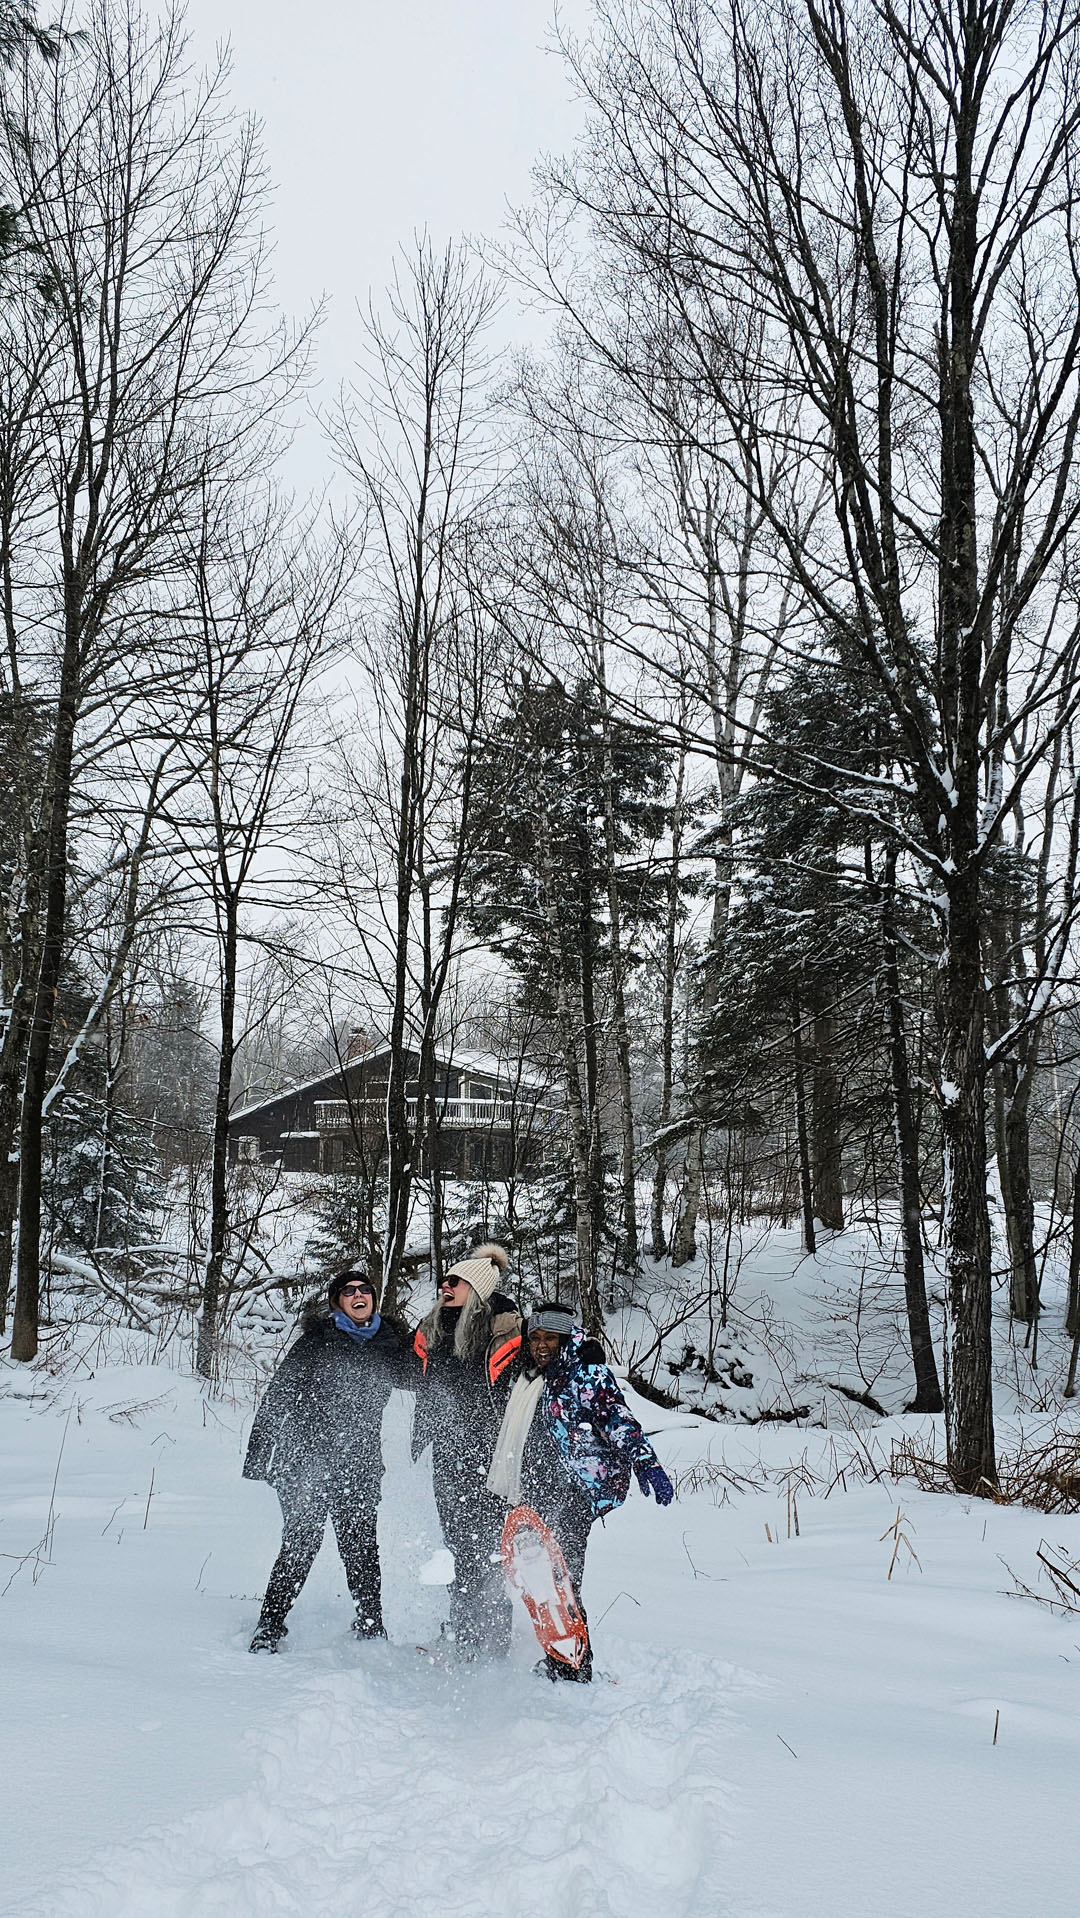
<point>496,1119</point>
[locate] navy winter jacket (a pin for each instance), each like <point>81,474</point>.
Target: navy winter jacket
<point>320,1419</point>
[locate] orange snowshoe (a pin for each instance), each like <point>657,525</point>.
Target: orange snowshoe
<point>535,1567</point>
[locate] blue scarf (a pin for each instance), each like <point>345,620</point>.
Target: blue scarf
<point>361,1333</point>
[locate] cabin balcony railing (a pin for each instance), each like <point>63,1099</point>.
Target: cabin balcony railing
<point>477,1115</point>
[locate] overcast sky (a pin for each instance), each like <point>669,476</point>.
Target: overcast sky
<point>382,118</point>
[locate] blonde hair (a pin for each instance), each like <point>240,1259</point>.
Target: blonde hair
<point>472,1332</point>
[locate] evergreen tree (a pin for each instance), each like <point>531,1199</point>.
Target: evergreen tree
<point>812,960</point>
<point>345,1211</point>
<point>104,1187</point>
<point>539,893</point>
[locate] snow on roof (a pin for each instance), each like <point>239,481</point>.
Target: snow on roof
<point>275,1098</point>
<point>490,1067</point>
<point>508,1071</point>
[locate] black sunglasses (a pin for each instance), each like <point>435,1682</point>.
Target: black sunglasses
<point>347,1291</point>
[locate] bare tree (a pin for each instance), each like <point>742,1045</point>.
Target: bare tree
<point>1030,959</point>
<point>893,189</point>
<point>671,957</point>
<point>713,613</point>
<point>265,620</point>
<point>412,438</point>
<point>136,196</point>
<point>569,559</point>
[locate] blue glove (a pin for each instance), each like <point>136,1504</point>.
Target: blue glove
<point>654,1479</point>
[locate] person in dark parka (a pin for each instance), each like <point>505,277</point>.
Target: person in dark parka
<point>466,1346</point>
<point>317,1439</point>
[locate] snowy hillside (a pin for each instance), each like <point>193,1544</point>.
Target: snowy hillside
<point>793,1733</point>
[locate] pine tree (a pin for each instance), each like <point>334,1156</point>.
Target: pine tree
<point>813,951</point>
<point>104,1188</point>
<point>539,893</point>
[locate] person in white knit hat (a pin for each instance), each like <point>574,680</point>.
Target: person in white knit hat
<point>466,1346</point>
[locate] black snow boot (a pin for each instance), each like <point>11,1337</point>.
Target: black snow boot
<point>368,1625</point>
<point>268,1636</point>
<point>559,1671</point>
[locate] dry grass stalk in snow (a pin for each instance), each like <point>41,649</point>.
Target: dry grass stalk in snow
<point>896,1532</point>
<point>1063,1574</point>
<point>854,1459</point>
<point>1043,1474</point>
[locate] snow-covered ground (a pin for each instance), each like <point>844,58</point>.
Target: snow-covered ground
<point>792,1734</point>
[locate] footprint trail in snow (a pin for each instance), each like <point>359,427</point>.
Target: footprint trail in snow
<point>398,1789</point>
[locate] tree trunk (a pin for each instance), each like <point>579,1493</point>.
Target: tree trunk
<point>206,1348</point>
<point>727,683</point>
<point>581,1127</point>
<point>827,1180</point>
<point>657,1229</point>
<point>924,1363</point>
<point>630,1248</point>
<point>969,1416</point>
<point>1072,1310</point>
<point>9,1190</point>
<point>590,1090</point>
<point>399,1139</point>
<point>969,1419</point>
<point>1072,1314</point>
<point>684,1248</point>
<point>17,994</point>
<point>105,1161</point>
<point>592,1316</point>
<point>427,1128</point>
<point>24,1331</point>
<point>1014,1162</point>
<point>627,1144</point>
<point>658,1234</point>
<point>9,1172</point>
<point>1072,1307</point>
<point>802,1133</point>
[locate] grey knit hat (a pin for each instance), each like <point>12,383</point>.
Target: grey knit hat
<point>482,1269</point>
<point>553,1317</point>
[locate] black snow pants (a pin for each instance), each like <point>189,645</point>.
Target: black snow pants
<point>304,1511</point>
<point>568,1515</point>
<point>472,1522</point>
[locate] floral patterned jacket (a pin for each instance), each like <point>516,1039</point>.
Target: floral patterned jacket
<point>597,1435</point>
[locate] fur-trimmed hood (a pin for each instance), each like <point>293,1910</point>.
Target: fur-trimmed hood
<point>321,1413</point>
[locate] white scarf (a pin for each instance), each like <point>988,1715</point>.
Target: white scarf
<point>504,1478</point>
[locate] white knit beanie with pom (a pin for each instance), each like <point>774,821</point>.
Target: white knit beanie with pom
<point>483,1269</point>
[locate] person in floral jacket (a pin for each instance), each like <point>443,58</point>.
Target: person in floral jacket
<point>568,1444</point>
